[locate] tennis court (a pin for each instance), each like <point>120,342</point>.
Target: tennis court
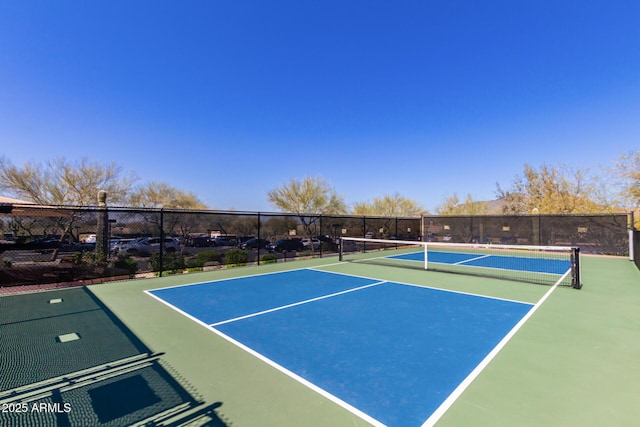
<point>322,342</point>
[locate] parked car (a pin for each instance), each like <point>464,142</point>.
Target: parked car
<point>224,241</point>
<point>242,239</point>
<point>255,243</point>
<point>77,247</point>
<point>44,243</point>
<point>199,242</point>
<point>286,245</point>
<point>308,242</point>
<point>116,245</point>
<point>148,245</point>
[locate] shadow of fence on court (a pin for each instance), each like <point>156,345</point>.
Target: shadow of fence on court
<point>68,361</point>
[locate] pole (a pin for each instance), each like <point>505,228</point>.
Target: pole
<point>259,237</point>
<point>319,234</point>
<point>161,253</point>
<point>631,237</point>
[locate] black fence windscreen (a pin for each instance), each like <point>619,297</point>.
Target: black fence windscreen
<point>593,234</point>
<point>62,244</point>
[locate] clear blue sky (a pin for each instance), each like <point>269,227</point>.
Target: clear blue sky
<point>230,99</point>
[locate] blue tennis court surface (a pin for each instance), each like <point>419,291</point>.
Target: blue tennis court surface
<point>536,265</point>
<point>391,351</point>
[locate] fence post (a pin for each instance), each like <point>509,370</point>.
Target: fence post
<point>319,234</point>
<point>632,227</point>
<point>259,237</point>
<point>535,225</point>
<point>161,252</point>
<point>364,233</point>
<point>396,233</point>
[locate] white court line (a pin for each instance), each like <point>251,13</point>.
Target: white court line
<point>271,310</point>
<point>469,260</point>
<point>280,368</point>
<point>395,282</point>
<point>444,407</point>
<point>182,285</point>
<point>225,279</point>
<point>473,266</point>
<point>303,381</point>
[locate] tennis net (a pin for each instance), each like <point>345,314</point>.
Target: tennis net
<point>536,264</point>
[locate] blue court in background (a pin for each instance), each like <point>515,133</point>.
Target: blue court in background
<point>500,262</point>
<point>393,351</point>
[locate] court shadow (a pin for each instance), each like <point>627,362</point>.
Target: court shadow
<point>205,417</point>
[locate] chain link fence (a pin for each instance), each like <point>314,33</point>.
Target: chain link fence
<point>55,244</point>
<point>61,244</point>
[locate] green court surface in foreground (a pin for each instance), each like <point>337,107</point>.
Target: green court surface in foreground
<point>573,363</point>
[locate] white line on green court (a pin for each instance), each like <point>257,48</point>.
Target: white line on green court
<point>444,407</point>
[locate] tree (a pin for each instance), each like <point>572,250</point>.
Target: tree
<point>307,198</point>
<point>551,190</point>
<point>452,206</point>
<point>63,182</point>
<point>161,195</point>
<point>310,196</point>
<point>628,170</point>
<point>388,206</point>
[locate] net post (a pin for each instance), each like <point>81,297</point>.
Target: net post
<point>426,257</point>
<point>631,227</point>
<point>340,252</point>
<point>575,268</point>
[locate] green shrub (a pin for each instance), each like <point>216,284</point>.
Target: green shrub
<point>203,258</point>
<point>269,258</point>
<point>236,257</point>
<point>170,262</point>
<point>78,258</point>
<point>125,262</point>
<point>85,258</point>
<point>208,256</point>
